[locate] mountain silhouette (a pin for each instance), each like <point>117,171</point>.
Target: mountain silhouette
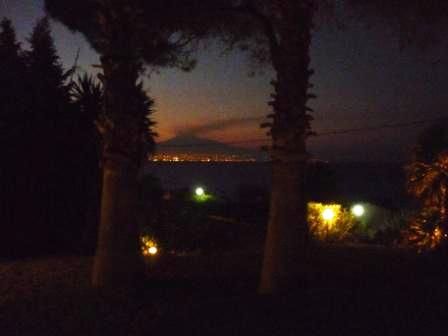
<point>190,144</point>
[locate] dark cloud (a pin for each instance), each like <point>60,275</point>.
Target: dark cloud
<point>219,125</point>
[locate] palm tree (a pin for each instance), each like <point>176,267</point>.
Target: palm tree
<point>128,35</point>
<point>125,39</point>
<point>428,182</point>
<point>421,24</point>
<point>88,94</point>
<point>287,25</point>
<point>117,31</point>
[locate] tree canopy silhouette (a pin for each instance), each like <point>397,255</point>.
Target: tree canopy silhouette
<point>128,34</point>
<point>418,23</point>
<point>50,173</point>
<point>12,142</point>
<point>12,72</point>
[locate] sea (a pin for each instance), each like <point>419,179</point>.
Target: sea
<point>218,178</point>
<point>380,183</point>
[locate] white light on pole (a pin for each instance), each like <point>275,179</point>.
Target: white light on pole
<point>358,210</point>
<point>199,191</point>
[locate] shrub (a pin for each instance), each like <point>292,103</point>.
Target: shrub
<point>329,222</point>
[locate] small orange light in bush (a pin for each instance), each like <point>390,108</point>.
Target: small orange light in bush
<point>152,250</point>
<point>149,246</point>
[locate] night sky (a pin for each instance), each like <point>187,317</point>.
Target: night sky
<point>362,79</point>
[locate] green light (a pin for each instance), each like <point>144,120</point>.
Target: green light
<point>358,210</point>
<point>199,191</point>
<point>200,195</point>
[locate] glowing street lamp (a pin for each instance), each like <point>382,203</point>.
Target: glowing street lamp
<point>358,210</point>
<point>149,246</point>
<point>200,195</point>
<point>328,214</point>
<point>152,250</point>
<point>199,191</point>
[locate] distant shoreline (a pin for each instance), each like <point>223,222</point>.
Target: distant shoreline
<point>204,162</point>
<point>331,163</point>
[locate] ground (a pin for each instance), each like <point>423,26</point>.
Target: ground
<point>345,290</point>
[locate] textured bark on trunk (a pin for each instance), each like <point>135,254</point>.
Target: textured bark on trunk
<point>117,261</point>
<point>286,247</point>
<point>287,235</point>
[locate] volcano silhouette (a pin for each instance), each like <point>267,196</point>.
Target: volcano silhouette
<point>190,144</point>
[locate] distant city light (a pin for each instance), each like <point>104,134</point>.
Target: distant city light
<point>358,210</point>
<point>328,214</point>
<point>199,191</point>
<point>192,157</point>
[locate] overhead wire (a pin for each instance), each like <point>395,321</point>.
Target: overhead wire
<point>324,133</point>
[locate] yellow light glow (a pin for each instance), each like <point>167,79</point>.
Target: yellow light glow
<point>329,222</point>
<point>328,214</point>
<point>148,246</point>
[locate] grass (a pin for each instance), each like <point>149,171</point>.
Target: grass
<point>346,290</point>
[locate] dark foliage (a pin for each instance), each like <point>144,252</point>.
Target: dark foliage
<point>12,66</point>
<point>160,32</point>
<point>86,97</point>
<point>179,223</point>
<point>418,23</point>
<point>431,142</point>
<point>427,183</point>
<point>42,184</point>
<point>49,175</point>
<point>145,108</point>
<point>321,183</point>
<point>12,143</point>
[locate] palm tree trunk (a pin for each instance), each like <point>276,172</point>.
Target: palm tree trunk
<point>117,261</point>
<point>287,238</point>
<point>287,235</point>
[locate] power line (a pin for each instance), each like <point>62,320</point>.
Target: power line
<point>385,126</point>
<point>222,143</point>
<point>325,133</point>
